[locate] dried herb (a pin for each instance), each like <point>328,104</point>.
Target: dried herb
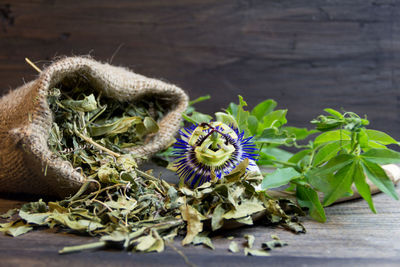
<point>126,207</point>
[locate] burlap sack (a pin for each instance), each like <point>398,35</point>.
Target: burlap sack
<point>25,121</point>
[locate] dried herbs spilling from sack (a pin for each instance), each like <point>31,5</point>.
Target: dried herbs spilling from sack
<point>27,165</point>
<point>100,138</point>
<point>141,213</point>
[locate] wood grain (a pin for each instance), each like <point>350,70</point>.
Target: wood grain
<point>352,236</point>
<point>307,55</point>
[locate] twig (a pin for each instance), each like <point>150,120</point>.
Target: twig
<point>32,65</point>
<point>71,249</point>
<point>146,175</point>
<point>90,140</point>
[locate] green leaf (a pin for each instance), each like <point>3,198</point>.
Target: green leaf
<point>378,176</point>
<point>199,99</point>
<point>374,144</point>
<point>328,151</point>
<point>380,137</point>
<point>242,115</point>
<point>276,118</point>
<point>382,156</point>
<point>332,165</point>
<point>362,186</point>
<point>226,118</point>
<point>334,113</point>
<point>198,117</point>
<point>277,153</point>
<point>332,136</point>
<point>339,184</point>
<point>252,124</point>
<point>300,133</point>
<point>272,136</point>
<point>299,156</point>
<point>264,108</point>
<point>307,197</point>
<point>279,177</point>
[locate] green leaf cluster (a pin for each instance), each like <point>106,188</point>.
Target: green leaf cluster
<point>343,157</point>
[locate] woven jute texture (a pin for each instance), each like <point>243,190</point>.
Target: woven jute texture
<point>26,163</point>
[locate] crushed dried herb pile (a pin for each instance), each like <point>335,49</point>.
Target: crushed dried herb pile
<point>129,208</point>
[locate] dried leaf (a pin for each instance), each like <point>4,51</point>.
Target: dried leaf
<point>238,171</point>
<point>269,245</point>
<point>145,242</point>
<point>234,247</point>
<point>203,239</point>
<point>250,240</point>
<point>243,210</point>
<point>34,218</point>
<point>15,229</point>
<point>255,252</point>
<point>9,214</point>
<point>217,220</point>
<point>194,224</point>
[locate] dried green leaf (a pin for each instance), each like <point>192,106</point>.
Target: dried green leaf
<point>269,245</point>
<point>217,220</point>
<point>87,104</point>
<point>203,238</point>
<point>9,214</point>
<point>244,209</point>
<point>246,220</point>
<point>194,224</point>
<point>250,240</point>
<point>255,252</point>
<point>15,229</point>
<point>237,172</point>
<point>234,247</point>
<point>38,206</point>
<point>145,242</point>
<point>34,218</point>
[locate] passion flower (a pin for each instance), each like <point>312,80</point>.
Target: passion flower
<point>210,149</point>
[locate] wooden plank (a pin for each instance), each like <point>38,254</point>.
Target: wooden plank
<point>307,55</point>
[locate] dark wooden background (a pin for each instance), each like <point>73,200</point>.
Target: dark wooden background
<point>306,54</point>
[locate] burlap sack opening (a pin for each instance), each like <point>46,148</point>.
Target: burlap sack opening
<point>25,121</point>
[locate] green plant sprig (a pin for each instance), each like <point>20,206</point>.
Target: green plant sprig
<point>344,153</point>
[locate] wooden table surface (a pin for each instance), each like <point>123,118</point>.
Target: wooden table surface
<point>352,236</point>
